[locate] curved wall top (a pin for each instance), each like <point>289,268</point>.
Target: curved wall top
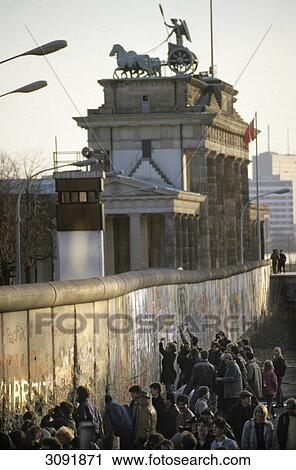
<point>50,294</point>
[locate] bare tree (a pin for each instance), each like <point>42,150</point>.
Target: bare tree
<point>37,216</point>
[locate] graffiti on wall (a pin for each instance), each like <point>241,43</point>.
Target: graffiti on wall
<point>19,392</point>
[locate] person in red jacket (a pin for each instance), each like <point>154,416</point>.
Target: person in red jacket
<point>270,385</point>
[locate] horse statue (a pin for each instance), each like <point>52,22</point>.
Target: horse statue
<point>132,65</point>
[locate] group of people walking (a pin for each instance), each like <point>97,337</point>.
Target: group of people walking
<point>278,261</point>
<point>221,398</point>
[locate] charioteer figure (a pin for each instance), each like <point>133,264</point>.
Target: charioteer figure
<point>180,29</point>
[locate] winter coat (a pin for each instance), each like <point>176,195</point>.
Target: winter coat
<point>169,424</point>
<point>249,438</point>
<point>146,423</point>
<point>282,430</point>
<point>269,383</point>
<point>232,381</point>
<point>254,376</point>
<point>159,405</point>
<point>242,366</point>
<point>184,418</point>
<point>203,373</point>
<point>214,358</point>
<point>280,366</point>
<point>186,364</point>
<point>88,412</point>
<point>168,374</point>
<point>237,417</point>
<point>120,419</point>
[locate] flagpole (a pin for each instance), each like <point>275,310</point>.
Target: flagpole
<point>257,195</point>
<point>212,40</point>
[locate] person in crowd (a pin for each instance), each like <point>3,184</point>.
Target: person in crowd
<point>17,438</point>
<point>203,373</point>
<point>158,403</point>
<point>29,415</point>
<point>87,410</point>
<point>203,435</point>
<point>33,439</point>
<point>186,363</point>
<point>235,352</point>
<point>222,340</point>
<point>280,368</point>
<point>274,260</point>
<point>169,423</point>
<point>166,444</point>
<point>269,386</point>
<point>220,440</point>
<point>232,382</point>
<point>286,426</point>
<point>193,340</point>
<point>218,389</point>
<point>185,417</point>
<point>146,420</point>
<point>51,443</point>
<point>64,417</point>
<point>5,442</point>
<point>188,441</point>
<point>202,402</point>
<point>215,354</point>
<point>254,375</point>
<point>135,392</point>
<point>168,372</point>
<point>65,436</point>
<point>282,262</point>
<point>258,432</point>
<point>153,442</point>
<point>120,421</point>
<point>240,413</point>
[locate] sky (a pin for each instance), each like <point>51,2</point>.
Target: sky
<point>30,122</point>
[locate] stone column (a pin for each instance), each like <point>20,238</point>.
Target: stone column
<point>198,172</point>
<point>170,241</point>
<point>238,196</point>
<point>185,241</point>
<point>221,251</point>
<point>178,230</point>
<point>249,242</point>
<point>191,244</point>
<point>197,247</point>
<point>138,242</point>
<point>213,208</point>
<point>109,246</point>
<point>230,211</point>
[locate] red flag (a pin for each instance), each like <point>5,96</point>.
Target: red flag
<point>249,134</point>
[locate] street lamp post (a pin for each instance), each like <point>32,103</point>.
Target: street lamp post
<point>44,49</point>
<point>280,191</point>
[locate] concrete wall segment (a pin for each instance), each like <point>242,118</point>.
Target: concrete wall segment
<point>45,353</point>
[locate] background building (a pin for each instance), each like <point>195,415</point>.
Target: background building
<point>277,171</point>
<point>182,133</point>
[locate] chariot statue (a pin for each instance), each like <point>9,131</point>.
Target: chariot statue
<point>180,59</point>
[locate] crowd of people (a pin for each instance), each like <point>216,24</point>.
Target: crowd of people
<point>221,398</point>
<point>278,261</point>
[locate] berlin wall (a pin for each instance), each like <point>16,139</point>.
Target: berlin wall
<point>54,336</point>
